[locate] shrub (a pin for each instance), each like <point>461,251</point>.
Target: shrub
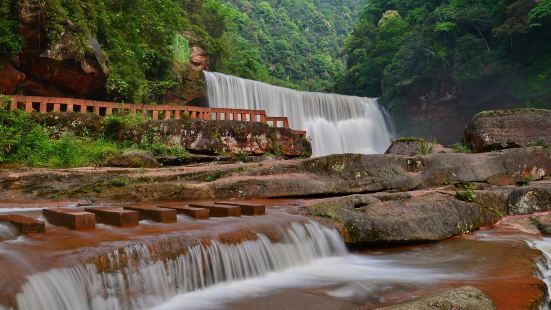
<point>120,181</point>
<point>460,148</point>
<point>467,195</point>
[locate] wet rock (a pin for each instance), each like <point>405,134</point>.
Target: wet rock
<point>496,130</point>
<point>133,159</point>
<point>413,217</point>
<point>10,78</point>
<point>543,223</point>
<point>463,298</point>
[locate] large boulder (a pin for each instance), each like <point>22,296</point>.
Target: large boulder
<point>463,298</point>
<point>402,217</point>
<point>501,129</point>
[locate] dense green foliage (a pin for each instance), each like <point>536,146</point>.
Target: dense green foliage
<point>23,141</point>
<point>429,52</point>
<point>10,42</point>
<point>293,43</point>
<point>145,41</point>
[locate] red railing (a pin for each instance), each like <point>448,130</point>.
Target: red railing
<point>166,112</point>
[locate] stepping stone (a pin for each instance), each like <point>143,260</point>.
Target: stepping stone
<point>25,224</point>
<point>196,213</point>
<point>115,216</point>
<point>219,210</point>
<point>73,219</point>
<point>246,207</point>
<point>155,214</point>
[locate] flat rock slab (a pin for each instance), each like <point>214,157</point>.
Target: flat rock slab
<point>25,224</point>
<point>156,214</point>
<point>247,208</point>
<point>219,210</point>
<point>196,213</point>
<point>115,216</point>
<point>73,219</point>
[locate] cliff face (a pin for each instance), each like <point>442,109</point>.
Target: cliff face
<point>70,68</point>
<point>45,70</point>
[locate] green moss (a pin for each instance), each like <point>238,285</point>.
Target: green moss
<point>120,181</point>
<point>214,176</point>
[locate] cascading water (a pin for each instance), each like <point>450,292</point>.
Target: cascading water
<point>138,280</point>
<point>336,124</point>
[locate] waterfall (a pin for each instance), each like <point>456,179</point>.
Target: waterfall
<point>137,279</point>
<point>336,124</point>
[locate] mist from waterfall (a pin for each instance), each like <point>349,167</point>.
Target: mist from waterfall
<point>335,124</point>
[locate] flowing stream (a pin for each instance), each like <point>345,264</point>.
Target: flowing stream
<point>336,124</point>
<point>293,265</point>
<point>210,275</point>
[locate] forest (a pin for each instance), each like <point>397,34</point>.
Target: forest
<point>291,43</point>
<point>413,54</point>
<point>422,54</point>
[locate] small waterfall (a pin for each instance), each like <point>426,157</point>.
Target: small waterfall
<point>336,124</point>
<point>137,279</point>
<point>544,267</point>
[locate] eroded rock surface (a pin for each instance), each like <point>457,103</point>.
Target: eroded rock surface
<point>495,130</point>
<point>402,217</point>
<point>463,298</point>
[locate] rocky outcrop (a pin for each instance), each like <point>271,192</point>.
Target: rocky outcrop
<point>216,138</point>
<point>496,130</point>
<point>463,298</point>
<point>133,159</point>
<point>221,137</point>
<point>10,77</point>
<point>198,59</point>
<point>401,217</point>
<point>335,175</point>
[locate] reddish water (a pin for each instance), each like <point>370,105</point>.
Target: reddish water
<point>498,261</point>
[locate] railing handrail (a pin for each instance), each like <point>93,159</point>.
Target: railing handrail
<point>170,111</point>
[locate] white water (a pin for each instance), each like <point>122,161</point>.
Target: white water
<point>208,276</point>
<point>544,246</point>
<point>336,124</point>
<point>7,231</point>
<point>142,281</point>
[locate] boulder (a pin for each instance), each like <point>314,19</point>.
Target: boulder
<point>463,298</point>
<point>133,159</point>
<point>413,147</point>
<point>412,217</point>
<point>10,78</point>
<point>496,130</point>
<point>530,199</point>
